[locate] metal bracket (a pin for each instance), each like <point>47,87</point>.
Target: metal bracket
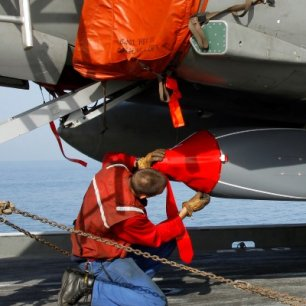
<point>25,20</point>
<point>64,105</point>
<point>216,33</point>
<point>78,117</point>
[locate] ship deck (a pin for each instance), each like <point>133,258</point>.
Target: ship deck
<point>34,279</point>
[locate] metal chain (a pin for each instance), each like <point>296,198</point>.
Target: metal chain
<point>38,239</point>
<point>266,292</point>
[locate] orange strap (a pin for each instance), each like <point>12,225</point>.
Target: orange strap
<point>203,6</point>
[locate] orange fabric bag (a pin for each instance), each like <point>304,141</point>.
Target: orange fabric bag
<point>131,39</point>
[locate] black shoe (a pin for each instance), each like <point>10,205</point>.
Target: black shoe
<point>75,285</point>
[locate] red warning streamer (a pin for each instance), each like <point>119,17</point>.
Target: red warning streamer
<point>54,130</point>
<point>174,105</point>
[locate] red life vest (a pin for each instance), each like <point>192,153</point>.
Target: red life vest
<point>107,201</point>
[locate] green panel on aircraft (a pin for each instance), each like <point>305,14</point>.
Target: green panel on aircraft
<point>216,33</point>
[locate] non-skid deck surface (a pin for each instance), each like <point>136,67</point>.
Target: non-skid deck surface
<point>37,281</point>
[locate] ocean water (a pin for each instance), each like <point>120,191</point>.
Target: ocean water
<point>55,189</point>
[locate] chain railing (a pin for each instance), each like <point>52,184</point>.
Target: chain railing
<point>284,298</point>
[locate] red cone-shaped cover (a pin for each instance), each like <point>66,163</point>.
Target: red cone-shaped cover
<point>195,161</point>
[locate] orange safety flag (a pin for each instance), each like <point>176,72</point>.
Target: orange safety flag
<point>131,39</point>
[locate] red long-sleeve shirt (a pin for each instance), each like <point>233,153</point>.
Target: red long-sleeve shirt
<point>140,230</point>
<point>111,210</point>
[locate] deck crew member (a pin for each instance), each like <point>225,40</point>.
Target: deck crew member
<point>114,208</point>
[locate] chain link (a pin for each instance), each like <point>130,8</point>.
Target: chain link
<point>266,292</point>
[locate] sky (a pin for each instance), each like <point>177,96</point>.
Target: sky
<point>39,144</point>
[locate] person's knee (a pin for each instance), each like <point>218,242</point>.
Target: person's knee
<point>158,300</point>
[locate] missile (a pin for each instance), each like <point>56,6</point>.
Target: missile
<point>259,163</point>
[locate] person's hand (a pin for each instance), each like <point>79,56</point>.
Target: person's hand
<point>196,203</point>
<point>6,207</point>
<point>152,157</point>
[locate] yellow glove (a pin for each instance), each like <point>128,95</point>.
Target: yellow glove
<point>6,207</point>
<point>147,161</point>
<point>196,203</point>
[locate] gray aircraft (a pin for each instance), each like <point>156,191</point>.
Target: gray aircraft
<point>242,79</point>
